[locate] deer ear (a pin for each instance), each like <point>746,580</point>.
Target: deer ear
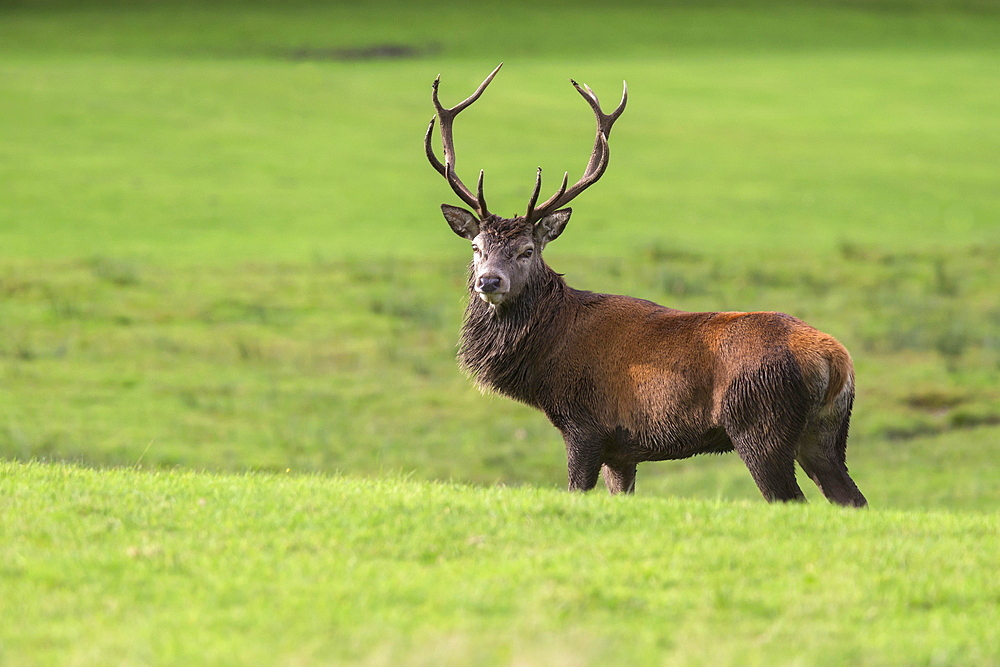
<point>551,226</point>
<point>462,222</point>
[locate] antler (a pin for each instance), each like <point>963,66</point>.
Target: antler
<point>598,157</point>
<point>447,169</point>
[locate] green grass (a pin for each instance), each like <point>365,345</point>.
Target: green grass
<point>838,124</point>
<point>275,366</point>
<point>221,251</point>
<point>185,568</point>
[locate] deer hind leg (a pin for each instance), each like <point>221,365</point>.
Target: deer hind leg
<point>768,450</point>
<point>823,456</point>
<point>619,478</point>
<point>764,413</point>
<point>771,463</point>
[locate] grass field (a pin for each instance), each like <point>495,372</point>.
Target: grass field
<point>221,251</point>
<point>183,568</point>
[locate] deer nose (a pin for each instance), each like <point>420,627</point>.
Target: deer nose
<point>489,284</point>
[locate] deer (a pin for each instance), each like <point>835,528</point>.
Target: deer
<point>626,380</point>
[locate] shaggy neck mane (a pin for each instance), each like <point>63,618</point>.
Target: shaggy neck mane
<point>508,348</point>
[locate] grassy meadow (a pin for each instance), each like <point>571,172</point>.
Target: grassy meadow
<point>224,277</point>
<point>174,567</point>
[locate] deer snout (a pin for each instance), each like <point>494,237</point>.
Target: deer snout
<point>489,284</point>
<point>491,288</point>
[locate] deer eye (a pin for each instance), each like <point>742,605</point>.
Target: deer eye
<point>527,252</point>
<point>475,248</point>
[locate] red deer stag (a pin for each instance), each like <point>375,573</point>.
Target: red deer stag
<point>626,380</point>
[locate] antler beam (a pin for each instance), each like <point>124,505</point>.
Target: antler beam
<point>598,157</point>
<point>447,168</point>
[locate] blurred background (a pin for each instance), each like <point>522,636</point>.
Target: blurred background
<point>221,248</point>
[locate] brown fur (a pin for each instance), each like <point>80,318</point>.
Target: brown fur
<point>626,380</point>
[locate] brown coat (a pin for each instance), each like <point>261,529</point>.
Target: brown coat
<point>626,380</point>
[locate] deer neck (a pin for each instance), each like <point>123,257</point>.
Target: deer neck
<point>510,348</point>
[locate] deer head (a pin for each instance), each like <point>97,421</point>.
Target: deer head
<point>506,252</point>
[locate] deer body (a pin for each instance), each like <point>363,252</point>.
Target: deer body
<point>626,380</point>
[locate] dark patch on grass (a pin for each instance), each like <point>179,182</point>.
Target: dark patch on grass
<point>211,399</point>
<point>405,308</point>
<point>934,400</point>
<point>27,350</point>
<point>11,286</point>
<point>658,253</point>
<point>360,53</point>
<point>236,311</point>
<point>116,271</point>
<point>959,421</point>
<point>678,284</point>
<point>248,350</point>
<point>964,420</point>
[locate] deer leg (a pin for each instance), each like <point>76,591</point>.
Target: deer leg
<point>583,461</point>
<point>619,478</point>
<point>772,466</point>
<point>822,454</point>
<point>764,412</point>
<point>767,447</point>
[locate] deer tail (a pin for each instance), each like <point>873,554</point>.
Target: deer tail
<point>841,372</point>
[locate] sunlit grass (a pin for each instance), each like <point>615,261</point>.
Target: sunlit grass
<point>197,569</point>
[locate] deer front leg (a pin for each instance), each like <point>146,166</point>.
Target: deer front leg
<point>583,461</point>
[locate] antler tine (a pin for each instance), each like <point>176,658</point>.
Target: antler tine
<point>534,194</point>
<point>429,149</point>
<point>461,106</point>
<point>599,157</point>
<point>604,121</point>
<point>447,169</point>
<point>530,215</point>
<point>480,199</point>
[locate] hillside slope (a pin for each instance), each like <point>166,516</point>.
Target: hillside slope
<point>131,567</point>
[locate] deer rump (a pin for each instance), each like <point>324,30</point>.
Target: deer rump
<point>626,380</point>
